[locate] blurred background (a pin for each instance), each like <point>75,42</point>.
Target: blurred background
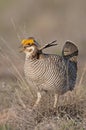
<point>46,20</point>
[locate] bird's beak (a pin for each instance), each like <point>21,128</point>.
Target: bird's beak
<point>22,50</point>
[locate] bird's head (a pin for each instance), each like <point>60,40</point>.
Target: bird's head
<point>32,49</point>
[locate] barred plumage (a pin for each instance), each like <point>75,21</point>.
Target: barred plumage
<point>44,73</point>
<point>49,72</point>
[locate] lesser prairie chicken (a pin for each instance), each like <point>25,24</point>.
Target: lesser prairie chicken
<point>50,72</point>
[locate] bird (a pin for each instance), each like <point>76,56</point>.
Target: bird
<point>48,73</point>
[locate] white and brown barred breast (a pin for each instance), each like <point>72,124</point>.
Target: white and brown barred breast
<point>49,74</point>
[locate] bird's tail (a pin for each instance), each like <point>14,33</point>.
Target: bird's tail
<point>70,51</point>
<point>70,54</point>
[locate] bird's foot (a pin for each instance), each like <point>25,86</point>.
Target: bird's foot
<point>37,101</point>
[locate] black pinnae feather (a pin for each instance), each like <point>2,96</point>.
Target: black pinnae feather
<point>49,45</point>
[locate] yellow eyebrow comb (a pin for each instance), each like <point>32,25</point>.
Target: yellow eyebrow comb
<point>27,41</point>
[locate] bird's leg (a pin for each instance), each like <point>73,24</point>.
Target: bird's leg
<point>38,99</point>
<point>56,97</point>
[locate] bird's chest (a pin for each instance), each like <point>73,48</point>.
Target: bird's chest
<point>35,71</point>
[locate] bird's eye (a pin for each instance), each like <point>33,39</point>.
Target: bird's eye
<point>27,46</point>
<point>24,47</point>
<point>30,50</point>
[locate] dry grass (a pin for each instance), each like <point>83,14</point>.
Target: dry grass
<point>16,101</point>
